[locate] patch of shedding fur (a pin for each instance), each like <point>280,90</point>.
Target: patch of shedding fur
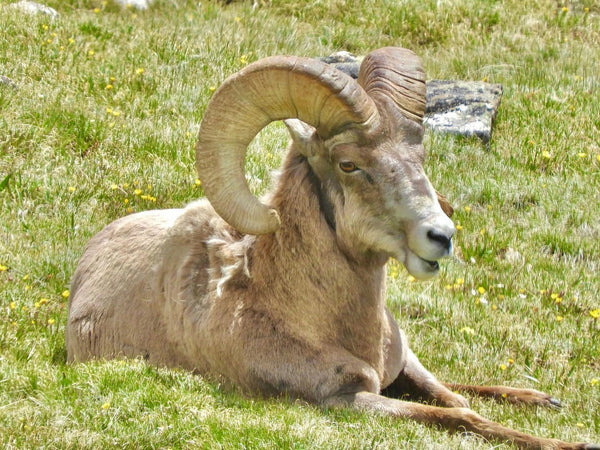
<point>230,255</point>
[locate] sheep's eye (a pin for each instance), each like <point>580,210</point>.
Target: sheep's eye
<point>348,166</point>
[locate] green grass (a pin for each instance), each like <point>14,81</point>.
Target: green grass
<point>103,122</point>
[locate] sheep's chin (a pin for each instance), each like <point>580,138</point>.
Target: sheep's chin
<point>418,267</point>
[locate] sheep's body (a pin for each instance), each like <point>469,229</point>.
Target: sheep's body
<point>275,295</point>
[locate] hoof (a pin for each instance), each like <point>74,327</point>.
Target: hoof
<point>592,447</point>
<point>554,402</point>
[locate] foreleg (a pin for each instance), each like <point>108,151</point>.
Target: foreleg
<point>452,419</point>
<point>512,395</point>
<point>416,382</point>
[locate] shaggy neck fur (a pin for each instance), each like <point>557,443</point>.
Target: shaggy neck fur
<point>342,298</point>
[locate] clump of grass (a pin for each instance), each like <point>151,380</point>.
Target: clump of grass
<point>102,123</point>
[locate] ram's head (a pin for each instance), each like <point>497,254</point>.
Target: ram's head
<point>362,139</point>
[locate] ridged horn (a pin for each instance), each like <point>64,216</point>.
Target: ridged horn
<point>395,74</point>
<point>274,88</point>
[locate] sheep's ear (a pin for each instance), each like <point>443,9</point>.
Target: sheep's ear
<point>445,204</point>
<point>304,136</point>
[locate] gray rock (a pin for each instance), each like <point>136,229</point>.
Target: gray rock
<point>34,8</point>
<point>137,4</point>
<point>466,108</point>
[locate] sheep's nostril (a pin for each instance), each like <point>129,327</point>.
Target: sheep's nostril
<point>442,239</point>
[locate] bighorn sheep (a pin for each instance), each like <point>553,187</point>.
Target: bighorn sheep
<point>288,296</point>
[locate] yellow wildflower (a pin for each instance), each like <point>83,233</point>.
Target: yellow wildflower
<point>546,154</point>
<point>137,191</point>
<point>594,381</point>
<point>481,290</point>
<point>12,305</point>
<point>595,313</point>
<point>467,209</point>
<point>559,318</point>
<point>139,71</point>
<point>502,366</point>
<point>467,330</point>
<point>65,293</point>
<point>51,321</point>
<point>198,182</point>
<point>106,405</point>
<point>109,87</point>
<point>582,154</point>
<point>3,268</point>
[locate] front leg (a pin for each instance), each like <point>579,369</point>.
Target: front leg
<point>452,419</point>
<point>415,381</point>
<point>511,395</point>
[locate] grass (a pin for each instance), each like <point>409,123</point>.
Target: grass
<point>102,123</point>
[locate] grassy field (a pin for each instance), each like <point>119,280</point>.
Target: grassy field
<point>101,122</point>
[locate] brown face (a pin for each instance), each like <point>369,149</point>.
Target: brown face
<point>384,202</point>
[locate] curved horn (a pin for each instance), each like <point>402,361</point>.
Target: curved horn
<point>395,74</point>
<point>270,89</point>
